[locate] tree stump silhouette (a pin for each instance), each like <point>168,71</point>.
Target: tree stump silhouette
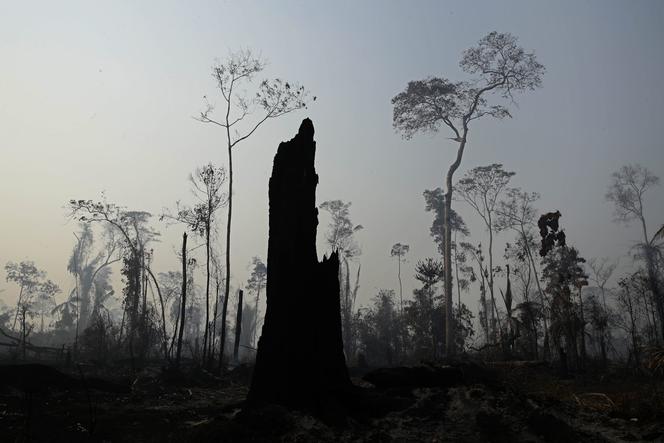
<point>300,361</point>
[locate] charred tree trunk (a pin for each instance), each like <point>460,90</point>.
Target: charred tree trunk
<point>183,299</point>
<point>300,361</point>
<point>238,326</point>
<point>222,338</point>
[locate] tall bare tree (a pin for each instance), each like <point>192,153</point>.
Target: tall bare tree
<point>206,183</point>
<point>271,99</point>
<point>481,188</point>
<point>626,191</point>
<point>399,251</point>
<point>516,211</point>
<point>498,67</point>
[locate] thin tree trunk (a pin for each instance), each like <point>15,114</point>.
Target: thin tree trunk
<point>495,319</point>
<point>238,327</point>
<point>546,352</point>
<point>447,252</point>
<point>184,298</point>
<point>214,323</point>
<point>143,341</point>
<point>652,275</point>
<point>163,314</point>
<point>228,237</point>
<point>122,324</point>
<point>400,285</point>
<point>207,284</point>
<point>258,293</point>
<point>18,307</point>
<point>24,309</point>
<point>456,272</point>
<point>583,331</point>
<point>349,303</point>
<point>78,316</point>
<point>175,329</point>
<point>222,344</point>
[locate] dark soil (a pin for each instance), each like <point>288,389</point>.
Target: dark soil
<point>501,402</point>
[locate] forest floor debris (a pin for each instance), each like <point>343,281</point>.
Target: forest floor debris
<point>501,402</point>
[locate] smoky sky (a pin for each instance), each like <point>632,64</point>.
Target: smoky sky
<point>100,97</point>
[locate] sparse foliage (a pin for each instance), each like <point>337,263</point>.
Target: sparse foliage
<point>497,65</point>
<point>271,99</point>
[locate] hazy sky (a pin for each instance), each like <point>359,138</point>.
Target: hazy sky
<point>99,96</point>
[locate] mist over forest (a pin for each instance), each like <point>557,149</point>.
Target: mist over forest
<point>332,222</point>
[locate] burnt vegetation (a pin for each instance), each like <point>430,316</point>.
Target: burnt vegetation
<point>533,342</point>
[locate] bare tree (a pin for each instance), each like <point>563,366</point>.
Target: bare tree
<point>206,183</point>
<point>629,317</point>
<point>341,237</point>
<point>498,66</point>
<point>476,254</point>
<point>481,188</point>
<point>183,300</point>
<point>45,299</point>
<point>626,191</point>
<point>517,212</point>
<point>601,271</point>
<point>256,283</point>
<point>272,99</point>
<point>399,251</point>
<point>27,276</point>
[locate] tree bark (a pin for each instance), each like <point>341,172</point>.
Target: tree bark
<point>258,293</point>
<point>300,360</point>
<point>207,283</point>
<point>652,275</point>
<point>222,339</point>
<point>227,286</point>
<point>583,332</point>
<point>163,314</point>
<point>447,252</point>
<point>183,299</point>
<point>546,352</point>
<point>238,327</point>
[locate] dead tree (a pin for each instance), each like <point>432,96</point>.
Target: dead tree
<point>300,361</point>
<point>238,326</point>
<point>183,300</point>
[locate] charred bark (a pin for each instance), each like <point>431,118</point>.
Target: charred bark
<point>300,361</point>
<point>183,299</point>
<point>238,327</point>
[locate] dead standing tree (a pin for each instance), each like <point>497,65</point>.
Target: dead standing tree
<point>206,183</point>
<point>481,188</point>
<point>300,361</point>
<point>627,192</point>
<point>273,99</point>
<point>341,238</point>
<point>498,66</point>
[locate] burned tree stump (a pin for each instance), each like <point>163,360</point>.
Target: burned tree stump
<point>300,361</point>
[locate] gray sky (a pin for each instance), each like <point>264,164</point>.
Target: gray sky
<point>99,96</point>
